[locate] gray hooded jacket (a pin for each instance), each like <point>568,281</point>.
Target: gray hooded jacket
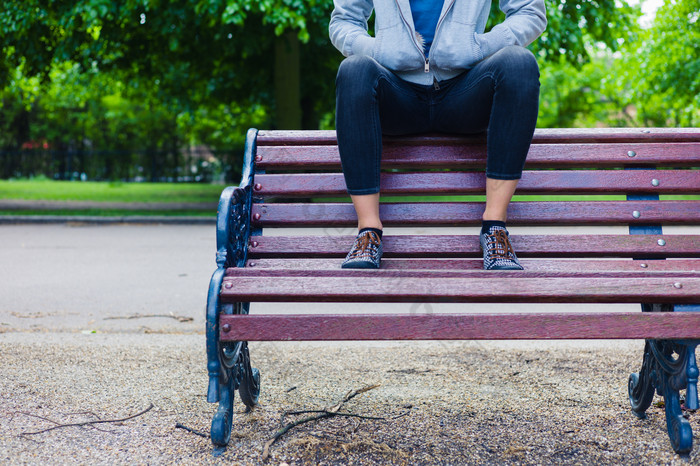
<point>459,41</point>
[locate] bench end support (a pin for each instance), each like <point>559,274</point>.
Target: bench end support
<point>666,375</point>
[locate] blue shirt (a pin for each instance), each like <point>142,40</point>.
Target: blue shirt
<point>426,14</point>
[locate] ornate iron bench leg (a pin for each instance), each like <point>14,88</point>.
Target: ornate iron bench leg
<point>641,390</point>
<point>249,389</point>
<point>668,367</point>
<point>220,380</point>
<point>223,417</point>
<point>229,367</point>
<point>228,364</point>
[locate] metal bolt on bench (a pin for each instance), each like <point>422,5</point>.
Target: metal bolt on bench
<point>288,177</point>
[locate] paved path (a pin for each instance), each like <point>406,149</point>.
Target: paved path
<point>460,402</point>
<point>72,277</point>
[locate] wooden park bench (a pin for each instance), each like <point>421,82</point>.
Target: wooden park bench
<point>292,179</point>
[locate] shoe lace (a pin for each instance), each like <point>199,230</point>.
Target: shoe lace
<point>368,240</point>
<point>500,244</point>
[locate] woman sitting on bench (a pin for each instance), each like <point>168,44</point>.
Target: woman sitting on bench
<point>431,68</point>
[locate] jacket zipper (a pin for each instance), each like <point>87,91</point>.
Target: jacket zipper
<point>436,85</point>
<point>426,60</point>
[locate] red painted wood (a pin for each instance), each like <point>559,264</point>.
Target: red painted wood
<point>619,135</point>
<point>463,289</point>
<point>238,272</point>
<point>532,182</point>
<point>474,156</point>
<point>469,213</point>
<point>626,325</point>
<point>549,135</point>
<point>577,246</point>
<point>427,266</point>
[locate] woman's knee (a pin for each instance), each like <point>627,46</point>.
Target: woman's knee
<point>517,60</point>
<point>356,71</point>
<point>518,67</point>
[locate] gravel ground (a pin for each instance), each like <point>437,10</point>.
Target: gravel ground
<point>443,402</point>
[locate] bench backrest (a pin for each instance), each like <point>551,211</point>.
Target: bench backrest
<point>572,177</point>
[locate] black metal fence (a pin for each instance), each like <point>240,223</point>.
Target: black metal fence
<point>195,164</point>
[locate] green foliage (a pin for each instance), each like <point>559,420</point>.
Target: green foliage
<point>572,26</point>
<point>155,76</point>
<point>185,52</point>
<point>585,96</point>
<point>653,79</point>
<point>123,87</point>
<point>190,53</point>
<point>668,66</point>
<point>94,124</point>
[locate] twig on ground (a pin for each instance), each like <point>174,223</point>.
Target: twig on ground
<point>328,436</point>
<point>353,393</point>
<point>357,427</point>
<point>91,414</point>
<point>81,413</point>
<point>283,430</point>
<point>144,316</point>
<point>85,423</point>
<point>321,411</point>
<point>38,442</point>
<point>189,429</point>
<point>320,414</point>
<point>67,414</point>
<point>401,415</point>
<point>34,415</point>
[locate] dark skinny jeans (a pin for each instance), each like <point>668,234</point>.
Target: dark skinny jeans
<point>499,95</point>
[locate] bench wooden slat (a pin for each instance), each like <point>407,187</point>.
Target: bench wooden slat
<point>474,156</point>
<point>428,289</point>
<point>468,246</point>
<point>542,266</point>
<point>532,182</point>
<point>237,272</point>
<point>560,267</point>
<point>627,325</point>
<point>541,136</point>
<point>469,213</point>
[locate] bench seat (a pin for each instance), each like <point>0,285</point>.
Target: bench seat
<point>473,326</point>
<point>397,286</point>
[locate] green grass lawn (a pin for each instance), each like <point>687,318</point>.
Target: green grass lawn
<point>111,213</point>
<point>49,190</point>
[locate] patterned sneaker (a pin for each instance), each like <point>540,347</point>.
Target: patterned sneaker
<point>366,253</point>
<point>498,252</point>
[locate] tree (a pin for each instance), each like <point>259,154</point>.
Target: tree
<point>667,64</point>
<point>199,51</point>
<point>184,71</point>
<point>224,50</point>
<point>652,80</point>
